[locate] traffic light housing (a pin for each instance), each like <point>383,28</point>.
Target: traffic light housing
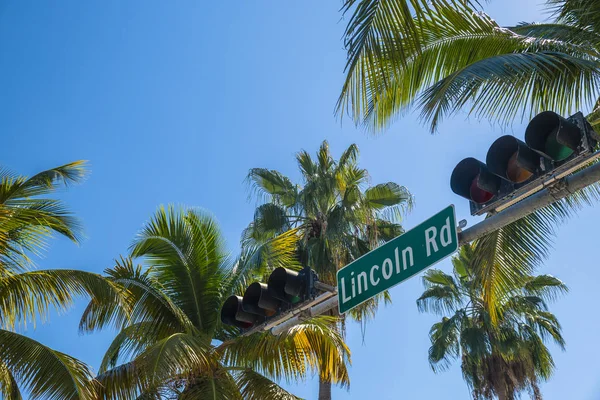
<point>554,137</point>
<point>553,147</point>
<point>287,285</point>
<point>285,290</point>
<point>233,314</point>
<point>473,180</point>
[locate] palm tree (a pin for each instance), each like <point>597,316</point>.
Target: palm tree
<point>465,60</point>
<point>337,216</point>
<point>173,345</point>
<point>26,220</point>
<point>498,359</point>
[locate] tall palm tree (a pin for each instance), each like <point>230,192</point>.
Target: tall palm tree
<point>498,359</point>
<point>458,58</point>
<point>173,345</point>
<point>337,215</point>
<point>27,220</point>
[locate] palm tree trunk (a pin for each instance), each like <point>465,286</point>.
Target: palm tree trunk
<point>324,390</point>
<point>325,385</point>
<point>501,390</point>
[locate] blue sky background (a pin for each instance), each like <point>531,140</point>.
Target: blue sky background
<point>173,102</point>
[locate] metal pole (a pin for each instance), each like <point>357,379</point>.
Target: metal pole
<point>551,194</point>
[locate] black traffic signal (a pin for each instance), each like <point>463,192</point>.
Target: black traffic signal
<point>511,159</point>
<point>233,314</point>
<point>553,147</point>
<point>284,291</point>
<point>287,285</point>
<point>473,180</point>
<point>553,137</point>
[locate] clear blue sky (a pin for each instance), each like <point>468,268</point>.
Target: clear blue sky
<point>173,102</point>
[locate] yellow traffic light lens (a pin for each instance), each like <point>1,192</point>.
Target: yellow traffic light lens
<point>479,195</point>
<point>555,150</point>
<point>514,172</point>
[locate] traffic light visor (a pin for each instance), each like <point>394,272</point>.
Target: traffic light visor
<point>233,314</point>
<point>512,160</point>
<point>553,136</point>
<point>257,300</point>
<point>472,180</point>
<point>286,285</point>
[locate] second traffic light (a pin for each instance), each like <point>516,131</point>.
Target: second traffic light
<point>285,288</point>
<point>514,169</point>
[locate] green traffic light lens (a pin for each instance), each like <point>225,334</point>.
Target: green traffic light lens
<point>295,300</point>
<point>554,149</point>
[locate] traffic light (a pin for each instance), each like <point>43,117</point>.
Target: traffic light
<point>473,180</point>
<point>553,148</point>
<point>553,137</point>
<point>287,285</point>
<point>285,290</point>
<point>233,314</point>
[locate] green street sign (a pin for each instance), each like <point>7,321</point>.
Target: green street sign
<point>397,260</point>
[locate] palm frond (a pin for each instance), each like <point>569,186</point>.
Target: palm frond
<point>186,252</point>
<point>390,198</point>
<point>145,303</point>
<point>441,295</point>
<point>348,157</point>
<point>581,13</point>
<point>313,345</point>
<point>9,389</point>
<point>14,187</point>
<point>216,384</point>
<point>45,373</point>
<point>175,355</point>
<point>445,345</point>
<point>269,220</point>
<point>583,40</point>
<point>306,165</point>
<point>510,85</point>
<point>546,287</point>
<point>255,386</point>
<point>270,183</point>
<point>465,59</point>
<point>23,297</point>
<point>375,27</point>
<point>133,340</point>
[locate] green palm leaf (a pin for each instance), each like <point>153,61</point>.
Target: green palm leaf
<point>466,60</point>
<point>187,252</point>
<point>272,183</point>
<point>312,344</point>
<point>9,388</point>
<point>26,220</point>
<point>257,387</point>
<point>507,86</point>
<point>145,302</point>
<point>170,357</point>
<point>29,295</point>
<point>46,373</point>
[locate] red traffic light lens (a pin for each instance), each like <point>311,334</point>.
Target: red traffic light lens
<point>514,172</point>
<point>479,195</point>
<point>555,149</point>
